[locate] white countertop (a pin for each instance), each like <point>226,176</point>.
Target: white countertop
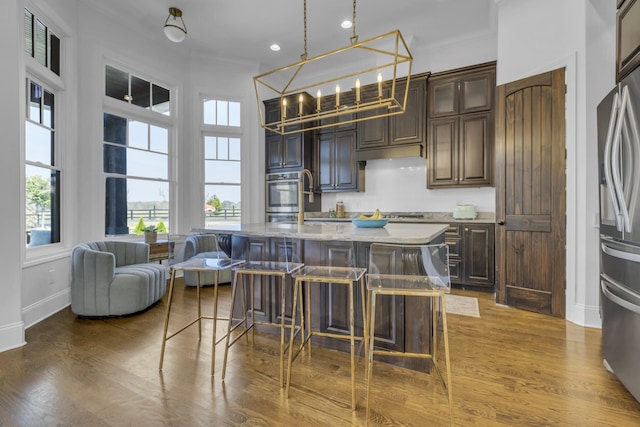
<point>345,231</point>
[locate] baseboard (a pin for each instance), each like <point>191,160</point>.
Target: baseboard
<point>12,336</point>
<point>46,307</point>
<point>587,315</point>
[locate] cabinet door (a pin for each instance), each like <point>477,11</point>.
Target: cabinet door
<point>476,92</point>
<point>345,170</point>
<point>291,250</point>
<point>475,150</point>
<point>373,133</point>
<point>479,256</point>
<point>292,151</point>
<point>408,128</point>
<point>443,97</point>
<point>324,159</point>
<point>274,153</point>
<point>258,249</point>
<point>443,152</point>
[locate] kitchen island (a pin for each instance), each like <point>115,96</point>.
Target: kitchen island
<point>318,243</point>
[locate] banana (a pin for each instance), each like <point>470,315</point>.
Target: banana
<point>376,215</point>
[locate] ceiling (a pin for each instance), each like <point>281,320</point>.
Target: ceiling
<point>243,30</point>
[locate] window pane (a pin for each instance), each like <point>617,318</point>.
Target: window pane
<point>159,140</point>
<point>140,92</point>
<point>210,147</point>
<point>138,135</point>
<point>116,83</point>
<point>114,159</point>
<point>147,164</point>
<point>35,97</point>
<point>41,205</point>
<point>47,110</point>
<point>38,143</point>
<point>161,98</point>
<point>130,200</point>
<point>54,53</point>
<point>210,111</point>
<point>234,114</point>
<point>234,149</point>
<point>222,171</point>
<point>222,114</point>
<point>115,129</point>
<point>41,43</point>
<point>28,32</point>
<point>228,209</point>
<point>223,148</point>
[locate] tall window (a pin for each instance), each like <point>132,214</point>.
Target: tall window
<point>42,145</point>
<point>136,164</point>
<point>221,140</point>
<point>42,174</point>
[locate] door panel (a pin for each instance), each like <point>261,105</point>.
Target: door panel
<point>530,193</point>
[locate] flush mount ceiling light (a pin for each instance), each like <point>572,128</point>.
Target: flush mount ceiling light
<point>359,79</point>
<point>174,27</point>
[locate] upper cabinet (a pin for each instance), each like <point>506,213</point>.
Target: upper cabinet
<point>401,135</point>
<point>628,37</point>
<point>286,152</point>
<point>460,135</point>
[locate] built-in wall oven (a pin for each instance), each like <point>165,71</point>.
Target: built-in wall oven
<point>282,197</point>
<point>282,192</point>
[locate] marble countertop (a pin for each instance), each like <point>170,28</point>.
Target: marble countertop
<point>417,233</point>
<point>405,217</point>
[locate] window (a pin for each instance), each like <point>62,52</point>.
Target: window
<point>136,165</point>
<point>221,141</point>
<point>135,90</point>
<point>42,175</point>
<point>41,43</point>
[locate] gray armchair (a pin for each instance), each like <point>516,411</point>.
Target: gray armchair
<point>111,278</point>
<point>204,245</point>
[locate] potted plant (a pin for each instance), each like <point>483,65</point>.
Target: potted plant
<point>150,234</point>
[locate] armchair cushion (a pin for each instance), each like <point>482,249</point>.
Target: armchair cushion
<point>113,278</point>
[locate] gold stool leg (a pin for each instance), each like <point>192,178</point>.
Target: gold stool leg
<point>166,318</point>
<point>215,320</point>
<point>233,300</point>
<point>372,336</point>
<point>282,328</point>
<point>296,285</point>
<point>353,348</point>
<point>446,356</point>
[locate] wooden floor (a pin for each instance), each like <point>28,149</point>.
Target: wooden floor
<point>510,368</point>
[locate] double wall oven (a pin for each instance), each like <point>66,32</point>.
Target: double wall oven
<point>282,197</point>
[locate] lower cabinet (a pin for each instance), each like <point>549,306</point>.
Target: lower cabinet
<point>471,253</point>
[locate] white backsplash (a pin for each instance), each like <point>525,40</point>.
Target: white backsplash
<point>400,185</point>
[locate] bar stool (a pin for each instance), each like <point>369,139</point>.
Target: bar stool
<point>340,271</point>
<point>198,266</point>
<point>258,268</point>
<point>413,271</point>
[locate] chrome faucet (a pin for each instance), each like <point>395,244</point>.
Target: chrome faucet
<point>301,194</point>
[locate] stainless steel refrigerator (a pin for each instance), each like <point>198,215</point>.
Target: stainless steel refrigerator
<point>619,173</point>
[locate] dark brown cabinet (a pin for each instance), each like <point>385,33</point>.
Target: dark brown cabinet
<point>471,254</point>
<point>460,136</point>
<point>337,167</point>
<point>394,136</point>
<point>286,152</point>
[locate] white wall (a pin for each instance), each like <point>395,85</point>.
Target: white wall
<point>534,37</point>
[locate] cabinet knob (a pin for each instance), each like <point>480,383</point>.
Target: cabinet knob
<point>501,222</point>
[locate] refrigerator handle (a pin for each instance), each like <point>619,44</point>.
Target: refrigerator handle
<point>628,256</point>
<point>623,214</point>
<point>607,160</point>
<point>634,141</point>
<point>605,283</point>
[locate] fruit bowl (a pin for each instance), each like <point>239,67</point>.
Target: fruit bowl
<point>369,223</point>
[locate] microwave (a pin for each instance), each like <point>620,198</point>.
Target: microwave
<point>627,37</point>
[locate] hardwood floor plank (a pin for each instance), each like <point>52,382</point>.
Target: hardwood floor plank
<point>510,367</point>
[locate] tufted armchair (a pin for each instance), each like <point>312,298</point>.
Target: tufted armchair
<point>203,245</point>
<point>112,278</point>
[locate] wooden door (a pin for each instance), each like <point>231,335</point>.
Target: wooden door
<point>530,193</point>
